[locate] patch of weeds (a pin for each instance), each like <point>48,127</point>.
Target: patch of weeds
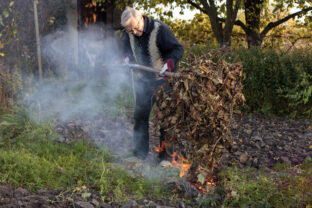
<point>210,200</point>
<point>307,164</point>
<point>17,126</point>
<point>29,158</point>
<point>126,186</point>
<point>299,183</point>
<point>48,165</point>
<point>281,166</point>
<point>253,188</point>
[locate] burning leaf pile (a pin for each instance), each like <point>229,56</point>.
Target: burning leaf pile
<point>199,109</point>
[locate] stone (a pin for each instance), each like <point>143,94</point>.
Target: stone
<point>249,131</point>
<point>130,204</point>
<point>104,205</point>
<point>5,191</point>
<point>165,163</point>
<point>234,148</point>
<point>243,158</point>
<point>225,158</point>
<point>255,163</point>
<point>279,147</point>
<point>95,202</point>
<point>258,139</point>
<point>285,160</point>
<point>19,192</point>
<point>61,139</point>
<point>238,153</point>
<point>19,203</point>
<point>182,205</point>
<point>81,204</point>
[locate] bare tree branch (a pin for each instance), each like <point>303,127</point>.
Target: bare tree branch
<point>271,25</point>
<point>242,25</point>
<point>197,6</point>
<point>238,23</point>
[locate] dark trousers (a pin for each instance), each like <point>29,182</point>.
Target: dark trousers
<point>145,99</point>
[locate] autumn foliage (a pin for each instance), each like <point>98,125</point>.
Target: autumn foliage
<point>197,114</point>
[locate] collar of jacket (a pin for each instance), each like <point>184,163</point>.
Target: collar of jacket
<point>148,24</point>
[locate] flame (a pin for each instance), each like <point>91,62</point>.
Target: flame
<point>162,147</point>
<point>206,187</point>
<point>182,163</point>
<point>177,160</point>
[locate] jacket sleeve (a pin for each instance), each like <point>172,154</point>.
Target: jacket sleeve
<point>168,44</point>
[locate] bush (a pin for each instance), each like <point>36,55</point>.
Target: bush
<point>277,82</point>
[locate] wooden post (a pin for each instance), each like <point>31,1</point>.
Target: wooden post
<point>38,39</point>
<point>72,17</point>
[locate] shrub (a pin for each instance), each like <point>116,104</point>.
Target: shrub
<point>277,82</point>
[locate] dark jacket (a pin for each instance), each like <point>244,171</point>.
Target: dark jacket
<point>153,48</point>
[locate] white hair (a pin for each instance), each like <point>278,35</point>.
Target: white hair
<point>128,14</point>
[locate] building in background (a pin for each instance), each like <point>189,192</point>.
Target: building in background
<point>101,18</point>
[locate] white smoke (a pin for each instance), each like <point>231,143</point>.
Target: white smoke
<point>89,89</point>
<point>84,88</point>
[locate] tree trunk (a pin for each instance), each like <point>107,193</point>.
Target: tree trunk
<point>252,28</point>
<point>252,17</point>
<point>216,28</point>
<point>253,39</point>
<point>222,34</point>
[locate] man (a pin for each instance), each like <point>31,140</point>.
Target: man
<point>150,43</point>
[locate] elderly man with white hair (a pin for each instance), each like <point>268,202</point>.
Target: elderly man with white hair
<point>150,43</point>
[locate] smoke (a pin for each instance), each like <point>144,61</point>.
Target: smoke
<point>91,93</point>
<point>92,89</point>
<point>80,89</point>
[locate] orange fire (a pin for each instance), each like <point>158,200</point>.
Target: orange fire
<point>162,147</point>
<point>209,182</point>
<point>177,160</point>
<point>180,162</point>
<point>184,165</point>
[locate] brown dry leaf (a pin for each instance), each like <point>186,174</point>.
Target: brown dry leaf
<point>201,107</point>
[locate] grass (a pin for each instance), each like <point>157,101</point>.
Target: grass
<point>283,187</point>
<point>29,158</point>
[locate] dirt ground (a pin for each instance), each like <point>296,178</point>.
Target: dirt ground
<point>258,142</point>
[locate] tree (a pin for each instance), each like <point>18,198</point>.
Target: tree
<point>196,31</point>
<point>253,10</point>
<point>222,14</point>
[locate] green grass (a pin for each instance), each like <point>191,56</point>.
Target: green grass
<point>286,187</point>
<point>29,158</point>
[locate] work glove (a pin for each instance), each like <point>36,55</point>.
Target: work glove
<point>126,58</point>
<point>168,66</point>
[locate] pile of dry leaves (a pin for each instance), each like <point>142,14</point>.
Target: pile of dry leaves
<point>199,108</point>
